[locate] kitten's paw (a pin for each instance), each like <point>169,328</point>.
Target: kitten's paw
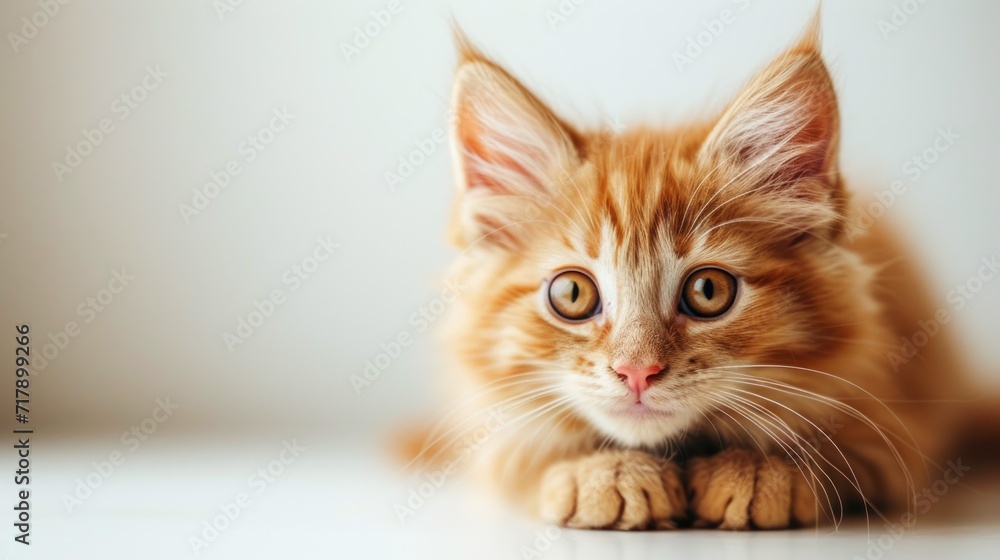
<point>737,489</point>
<point>613,490</point>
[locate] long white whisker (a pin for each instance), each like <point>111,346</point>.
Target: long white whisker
<point>837,405</point>
<point>812,480</point>
<point>809,457</point>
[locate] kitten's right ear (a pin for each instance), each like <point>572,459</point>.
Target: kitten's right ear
<point>509,150</point>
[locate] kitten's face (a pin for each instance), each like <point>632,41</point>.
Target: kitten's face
<point>620,274</point>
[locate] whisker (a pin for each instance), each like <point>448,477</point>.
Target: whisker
<point>913,439</point>
<point>844,408</point>
<point>810,456</point>
<point>812,479</point>
<point>512,402</point>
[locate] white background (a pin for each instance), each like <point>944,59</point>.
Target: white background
<point>324,175</point>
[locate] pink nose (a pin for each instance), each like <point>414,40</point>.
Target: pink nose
<point>637,378</point>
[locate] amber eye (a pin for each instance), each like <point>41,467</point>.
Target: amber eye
<point>708,293</point>
<point>573,296</point>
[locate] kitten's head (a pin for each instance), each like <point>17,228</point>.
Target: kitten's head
<point>616,274</point>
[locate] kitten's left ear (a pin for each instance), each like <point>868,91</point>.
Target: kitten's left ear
<point>779,137</point>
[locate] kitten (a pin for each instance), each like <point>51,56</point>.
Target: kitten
<point>682,326</point>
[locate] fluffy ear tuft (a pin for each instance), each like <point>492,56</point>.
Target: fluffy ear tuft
<point>510,151</point>
<point>467,52</point>
<point>778,139</point>
<point>810,40</point>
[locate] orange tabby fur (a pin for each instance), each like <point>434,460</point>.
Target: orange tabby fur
<point>782,412</point>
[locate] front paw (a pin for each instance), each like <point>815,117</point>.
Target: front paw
<point>737,489</point>
<point>625,490</point>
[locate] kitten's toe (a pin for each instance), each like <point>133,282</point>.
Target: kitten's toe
<point>558,497</point>
<point>625,490</point>
<point>737,489</point>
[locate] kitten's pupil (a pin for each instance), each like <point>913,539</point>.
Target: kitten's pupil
<point>705,287</point>
<point>576,292</point>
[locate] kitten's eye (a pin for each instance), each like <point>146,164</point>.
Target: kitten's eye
<point>573,296</point>
<point>708,293</point>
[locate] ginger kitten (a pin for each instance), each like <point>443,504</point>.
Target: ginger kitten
<point>681,326</point>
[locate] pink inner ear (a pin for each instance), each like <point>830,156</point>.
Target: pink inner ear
<point>817,134</point>
<point>788,114</point>
<point>478,159</point>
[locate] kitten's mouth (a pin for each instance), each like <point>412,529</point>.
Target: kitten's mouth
<point>642,410</point>
<point>641,423</point>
